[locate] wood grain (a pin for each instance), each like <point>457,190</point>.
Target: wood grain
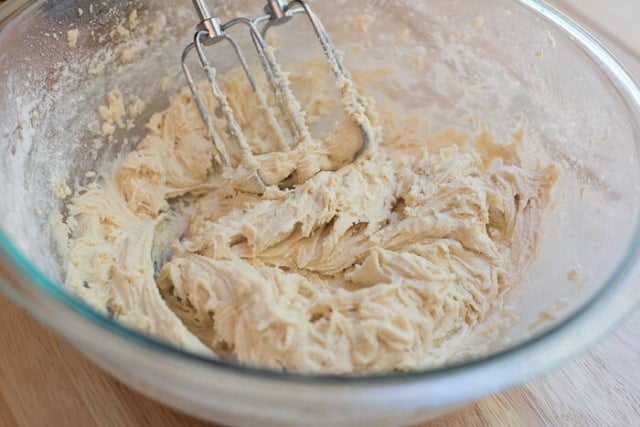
<point>46,382</point>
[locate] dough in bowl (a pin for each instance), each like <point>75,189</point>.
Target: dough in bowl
<point>384,264</point>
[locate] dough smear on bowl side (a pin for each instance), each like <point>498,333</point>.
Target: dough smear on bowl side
<point>383,264</point>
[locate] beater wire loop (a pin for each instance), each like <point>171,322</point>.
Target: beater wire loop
<point>211,31</point>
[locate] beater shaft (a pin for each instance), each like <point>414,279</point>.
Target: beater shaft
<point>210,31</point>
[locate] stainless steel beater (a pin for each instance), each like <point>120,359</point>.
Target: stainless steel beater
<point>210,31</point>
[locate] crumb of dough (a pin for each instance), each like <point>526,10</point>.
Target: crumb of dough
<point>133,19</point>
<point>72,37</point>
<point>543,317</point>
<point>122,31</point>
<point>402,34</point>
<point>108,129</point>
<point>114,112</point>
<point>387,263</point>
<point>91,8</point>
<point>549,315</point>
<point>136,106</point>
<point>127,55</point>
<point>155,122</point>
<point>539,53</point>
<point>95,70</point>
<point>61,189</point>
<point>477,22</point>
<point>80,11</point>
<point>550,39</point>
<point>508,318</point>
<point>89,174</point>
<point>361,23</point>
<point>575,273</point>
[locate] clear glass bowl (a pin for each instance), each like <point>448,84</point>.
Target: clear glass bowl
<point>511,63</point>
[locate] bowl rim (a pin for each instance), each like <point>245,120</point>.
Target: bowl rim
<point>617,289</point>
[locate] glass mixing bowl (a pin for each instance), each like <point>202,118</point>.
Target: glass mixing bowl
<point>508,63</point>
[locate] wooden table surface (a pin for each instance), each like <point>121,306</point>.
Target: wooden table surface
<point>46,382</point>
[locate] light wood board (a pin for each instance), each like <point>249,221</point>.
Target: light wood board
<point>46,382</point>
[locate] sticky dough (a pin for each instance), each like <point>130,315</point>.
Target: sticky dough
<point>384,264</point>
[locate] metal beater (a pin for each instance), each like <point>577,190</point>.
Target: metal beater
<point>210,31</point>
